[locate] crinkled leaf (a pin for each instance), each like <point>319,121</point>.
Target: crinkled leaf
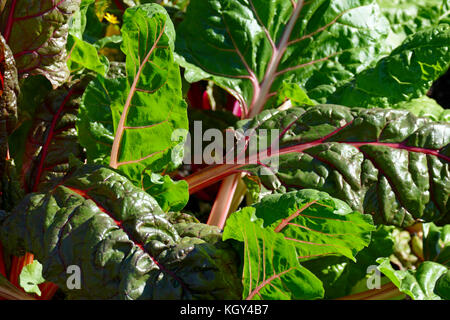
<point>271,268</point>
<point>418,284</point>
<point>406,17</point>
<point>37,33</point>
<point>52,138</point>
<point>121,240</point>
<point>436,243</point>
<point>387,163</point>
<point>315,223</point>
<point>407,73</point>
<point>128,122</point>
<point>250,47</point>
<point>31,276</point>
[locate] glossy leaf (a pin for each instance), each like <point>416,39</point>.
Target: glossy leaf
<point>418,284</point>
<point>315,223</point>
<point>37,33</point>
<point>128,122</point>
<point>406,17</point>
<point>442,287</point>
<point>121,240</point>
<point>271,269</point>
<point>407,73</point>
<point>436,243</point>
<point>386,163</point>
<point>426,107</point>
<point>250,47</point>
<point>340,275</point>
<point>52,138</point>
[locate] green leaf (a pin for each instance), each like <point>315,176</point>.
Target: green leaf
<point>251,47</point>
<point>51,138</point>
<point>84,55</point>
<point>271,268</point>
<point>31,276</point>
<point>120,239</point>
<point>426,107</point>
<point>407,17</point>
<point>77,23</point>
<point>442,287</point>
<point>171,195</point>
<point>383,162</point>
<point>436,243</point>
<point>339,275</point>
<point>315,223</point>
<point>36,32</point>
<point>418,284</point>
<point>128,122</point>
<point>407,73</point>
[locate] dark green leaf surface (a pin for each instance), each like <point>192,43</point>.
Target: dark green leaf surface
<point>250,47</point>
<point>128,122</point>
<point>52,138</point>
<point>386,163</point>
<point>315,223</point>
<point>418,284</point>
<point>271,268</point>
<point>121,240</point>
<point>37,32</point>
<point>442,287</point>
<point>407,73</point>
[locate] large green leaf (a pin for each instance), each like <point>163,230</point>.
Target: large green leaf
<point>120,239</point>
<point>270,269</point>
<point>387,163</point>
<point>418,284</point>
<point>406,16</point>
<point>315,223</point>
<point>426,107</point>
<point>250,47</point>
<point>37,32</point>
<point>407,73</point>
<point>128,122</point>
<point>339,275</point>
<point>51,138</point>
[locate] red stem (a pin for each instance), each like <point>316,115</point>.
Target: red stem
<point>2,263</point>
<point>221,207</point>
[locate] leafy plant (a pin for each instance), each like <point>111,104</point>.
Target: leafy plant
<point>99,100</point>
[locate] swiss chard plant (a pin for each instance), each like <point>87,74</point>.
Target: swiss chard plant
<point>224,149</point>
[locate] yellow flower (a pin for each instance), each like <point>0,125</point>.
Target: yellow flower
<point>111,18</point>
